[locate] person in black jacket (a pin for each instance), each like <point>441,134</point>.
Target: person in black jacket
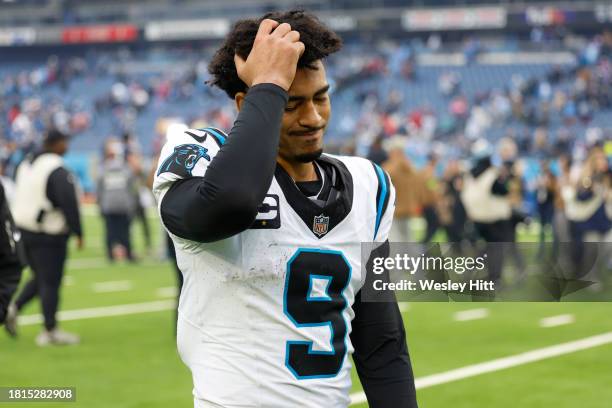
<point>11,259</point>
<point>46,210</point>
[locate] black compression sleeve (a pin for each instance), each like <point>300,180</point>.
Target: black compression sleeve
<point>62,193</point>
<point>381,355</point>
<point>224,202</point>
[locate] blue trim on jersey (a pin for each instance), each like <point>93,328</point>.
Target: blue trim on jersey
<point>325,298</point>
<point>379,207</point>
<point>219,137</point>
<point>328,323</point>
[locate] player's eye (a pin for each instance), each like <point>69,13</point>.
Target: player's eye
<point>290,108</point>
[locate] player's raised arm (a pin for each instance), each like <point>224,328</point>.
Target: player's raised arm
<point>224,202</point>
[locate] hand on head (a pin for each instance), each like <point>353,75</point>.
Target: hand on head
<point>274,56</point>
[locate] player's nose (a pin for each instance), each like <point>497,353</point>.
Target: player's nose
<point>310,116</point>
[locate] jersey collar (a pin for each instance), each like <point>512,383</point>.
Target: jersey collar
<point>319,220</point>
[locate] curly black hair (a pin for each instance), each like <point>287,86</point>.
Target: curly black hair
<point>319,42</point>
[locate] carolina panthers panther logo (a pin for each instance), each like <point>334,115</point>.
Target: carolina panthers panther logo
<point>184,158</point>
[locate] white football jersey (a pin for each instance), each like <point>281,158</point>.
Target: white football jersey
<point>265,315</point>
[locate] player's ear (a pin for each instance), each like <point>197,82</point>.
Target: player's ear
<point>238,98</point>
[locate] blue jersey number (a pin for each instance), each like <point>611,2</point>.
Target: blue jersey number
<point>313,297</point>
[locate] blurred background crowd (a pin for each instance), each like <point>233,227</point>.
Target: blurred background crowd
<point>514,98</point>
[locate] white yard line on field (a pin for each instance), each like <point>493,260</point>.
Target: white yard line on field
<point>112,286</point>
<point>503,363</point>
<point>107,311</point>
<point>359,397</point>
<point>471,314</point>
<point>554,321</point>
<point>403,306</point>
<point>169,291</point>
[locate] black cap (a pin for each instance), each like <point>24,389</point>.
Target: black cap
<point>55,135</point>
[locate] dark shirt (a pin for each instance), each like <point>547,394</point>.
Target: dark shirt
<point>500,185</point>
<point>61,192</point>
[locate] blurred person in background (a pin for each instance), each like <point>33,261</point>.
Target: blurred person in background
<point>485,197</point>
<point>133,157</point>
<point>117,199</point>
<point>46,210</point>
<point>595,187</point>
<point>449,83</point>
<point>546,192</point>
<point>561,230</point>
<point>431,196</point>
<point>408,189</point>
<point>12,259</point>
<point>376,153</point>
<point>451,210</point>
<point>511,176</point>
<point>589,207</point>
<point>587,199</point>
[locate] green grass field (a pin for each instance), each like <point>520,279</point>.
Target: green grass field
<point>130,360</point>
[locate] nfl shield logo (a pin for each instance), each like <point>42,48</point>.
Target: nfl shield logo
<point>320,225</point>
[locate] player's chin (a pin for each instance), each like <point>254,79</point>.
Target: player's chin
<point>308,156</point>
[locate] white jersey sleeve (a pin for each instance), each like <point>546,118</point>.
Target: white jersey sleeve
<point>186,155</point>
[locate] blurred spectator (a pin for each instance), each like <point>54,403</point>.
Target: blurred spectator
<point>449,83</point>
<point>46,210</point>
<point>561,230</point>
<point>471,50</point>
<point>452,213</point>
<point>377,154</point>
<point>589,210</point>
<point>546,191</point>
<point>459,108</point>
<point>134,159</point>
<point>117,200</point>
<point>478,123</point>
<point>409,188</point>
<point>434,42</point>
<point>431,196</point>
<point>589,205</point>
<point>540,147</point>
<point>485,196</point>
<point>510,175</point>
<point>501,108</point>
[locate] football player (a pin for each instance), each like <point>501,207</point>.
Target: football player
<point>268,234</point>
